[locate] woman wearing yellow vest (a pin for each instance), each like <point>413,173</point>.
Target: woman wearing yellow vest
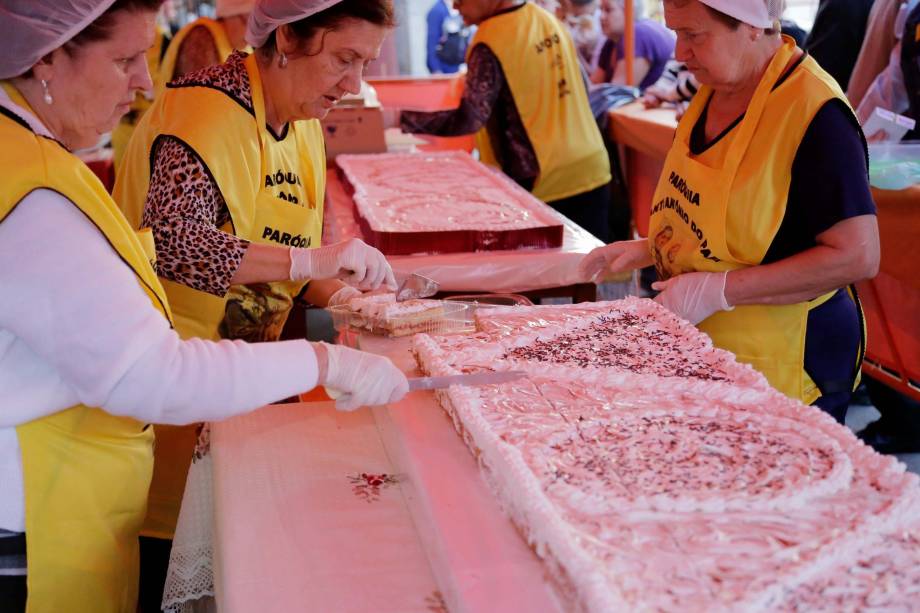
<point>88,355</point>
<point>205,42</point>
<point>228,169</point>
<point>527,102</point>
<point>762,217</point>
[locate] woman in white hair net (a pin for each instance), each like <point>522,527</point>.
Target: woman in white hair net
<point>88,354</point>
<point>206,42</point>
<point>228,171</point>
<point>762,219</point>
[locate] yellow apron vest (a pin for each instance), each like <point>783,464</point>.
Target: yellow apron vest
<point>167,68</point>
<point>122,132</point>
<point>721,210</point>
<point>274,190</point>
<point>85,472</point>
<point>541,67</point>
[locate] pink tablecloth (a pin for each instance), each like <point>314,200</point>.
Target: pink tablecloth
<point>300,525</point>
<point>487,271</point>
<point>310,515</point>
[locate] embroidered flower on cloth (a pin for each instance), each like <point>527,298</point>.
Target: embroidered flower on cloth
<point>367,486</point>
<point>435,602</point>
<point>203,444</point>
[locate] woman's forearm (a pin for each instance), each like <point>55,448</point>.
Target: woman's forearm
<point>846,253</point>
<point>263,263</point>
<point>320,291</point>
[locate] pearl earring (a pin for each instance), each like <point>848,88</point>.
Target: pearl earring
<point>282,61</point>
<point>47,97</point>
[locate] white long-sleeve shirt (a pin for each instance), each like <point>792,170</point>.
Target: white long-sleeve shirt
<point>76,327</point>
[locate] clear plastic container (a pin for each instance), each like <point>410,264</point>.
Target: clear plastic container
<point>477,303</point>
<point>894,165</point>
<point>452,317</point>
<point>492,299</point>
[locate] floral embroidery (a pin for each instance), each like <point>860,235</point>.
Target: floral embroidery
<point>367,486</point>
<point>435,603</point>
<point>203,444</point>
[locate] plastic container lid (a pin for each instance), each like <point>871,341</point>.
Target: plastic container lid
<point>894,166</point>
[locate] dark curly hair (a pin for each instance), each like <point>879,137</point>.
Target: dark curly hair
<point>377,12</point>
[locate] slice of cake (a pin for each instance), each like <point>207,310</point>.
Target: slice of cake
<point>381,314</point>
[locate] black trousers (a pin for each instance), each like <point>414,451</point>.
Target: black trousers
<point>154,564</point>
<point>590,210</point>
<point>12,594</point>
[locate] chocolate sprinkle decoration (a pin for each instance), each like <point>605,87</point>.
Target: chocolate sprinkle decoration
<point>626,342</point>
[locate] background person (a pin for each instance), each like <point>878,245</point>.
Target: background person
<point>582,17</point>
<point>447,38</point>
<point>654,46</point>
<point>837,36</point>
<point>206,42</point>
<point>527,103</point>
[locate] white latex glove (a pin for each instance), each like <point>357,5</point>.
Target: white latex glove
<point>353,261</point>
<point>614,258</point>
<point>343,296</point>
<point>693,295</point>
<point>364,379</point>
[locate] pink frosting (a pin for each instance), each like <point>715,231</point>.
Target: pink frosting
<point>647,486</point>
<point>403,192</point>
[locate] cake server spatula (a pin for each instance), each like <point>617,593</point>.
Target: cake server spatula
<point>436,383</point>
<point>416,286</point>
<point>480,378</point>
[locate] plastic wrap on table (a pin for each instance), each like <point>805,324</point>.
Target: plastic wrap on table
<point>493,271</point>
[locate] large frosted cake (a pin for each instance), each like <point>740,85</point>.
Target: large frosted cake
<point>653,472</point>
<point>443,202</point>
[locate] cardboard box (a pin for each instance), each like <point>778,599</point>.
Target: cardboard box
<point>352,128</point>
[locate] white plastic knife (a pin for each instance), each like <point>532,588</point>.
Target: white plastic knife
<point>480,378</point>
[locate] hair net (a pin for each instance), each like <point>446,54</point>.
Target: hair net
<point>751,12</point>
<point>229,8</point>
<point>31,29</point>
<point>268,15</point>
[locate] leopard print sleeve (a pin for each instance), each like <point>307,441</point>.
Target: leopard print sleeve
<point>185,210</point>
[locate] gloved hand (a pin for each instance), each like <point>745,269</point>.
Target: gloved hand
<point>353,261</point>
<point>342,296</point>
<point>693,295</point>
<point>616,257</point>
<point>363,378</point>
